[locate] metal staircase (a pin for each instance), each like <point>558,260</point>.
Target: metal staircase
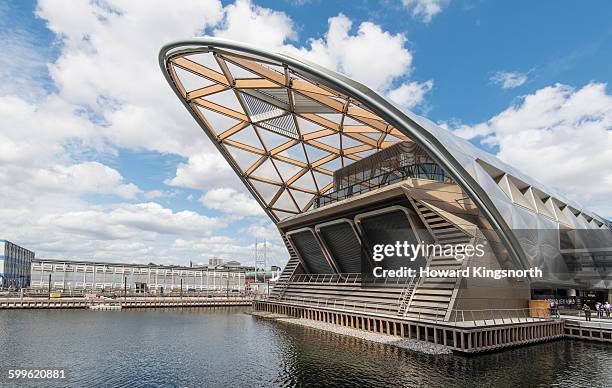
<point>406,295</point>
<point>285,277</point>
<point>433,297</point>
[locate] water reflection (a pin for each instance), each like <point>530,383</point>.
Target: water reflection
<point>225,347</point>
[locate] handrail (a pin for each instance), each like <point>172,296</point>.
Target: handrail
<point>417,170</point>
<point>346,278</point>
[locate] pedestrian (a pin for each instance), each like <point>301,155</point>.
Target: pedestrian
<point>554,308</point>
<point>599,309</point>
<point>608,307</point>
<point>587,312</point>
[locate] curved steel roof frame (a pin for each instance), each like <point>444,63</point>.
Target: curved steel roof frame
<point>408,124</point>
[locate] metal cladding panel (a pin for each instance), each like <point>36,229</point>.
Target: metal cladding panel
<point>310,251</point>
<point>344,246</point>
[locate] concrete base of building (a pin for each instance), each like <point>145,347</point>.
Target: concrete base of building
<point>459,338</point>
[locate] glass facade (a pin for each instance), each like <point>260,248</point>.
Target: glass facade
<point>15,265</point>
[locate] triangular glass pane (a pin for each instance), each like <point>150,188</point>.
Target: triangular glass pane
<point>240,72</point>
<point>306,182</point>
<point>332,165</point>
<point>301,198</point>
<point>315,153</point>
<point>191,81</point>
<point>348,120</point>
<point>219,122</point>
<point>226,98</point>
<point>348,142</point>
<point>284,202</point>
<point>265,190</point>
<point>244,159</point>
<point>286,170</point>
<point>270,139</point>
<point>247,136</point>
<point>206,60</point>
<point>333,117</point>
<point>296,152</point>
<point>322,179</point>
<point>266,170</point>
<point>331,140</point>
<point>373,135</point>
<point>282,215</point>
<point>307,126</point>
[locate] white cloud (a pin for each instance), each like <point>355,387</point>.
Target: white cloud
<point>372,56</point>
<point>425,10</point>
<point>142,220</point>
<point>509,79</point>
<point>230,201</point>
<point>561,136</point>
<point>410,94</point>
<point>246,22</point>
<point>204,171</point>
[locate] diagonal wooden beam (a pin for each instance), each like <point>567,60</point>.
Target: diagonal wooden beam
<point>321,121</point>
<point>283,147</point>
<point>244,147</point>
<point>255,67</point>
<point>356,149</point>
<point>221,109</point>
<point>290,161</point>
<point>236,128</point>
<point>324,160</point>
<point>318,134</point>
<point>254,83</point>
<point>323,146</point>
<point>205,91</point>
<point>255,165</point>
<point>196,68</point>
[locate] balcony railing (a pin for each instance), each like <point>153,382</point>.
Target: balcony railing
<point>429,171</point>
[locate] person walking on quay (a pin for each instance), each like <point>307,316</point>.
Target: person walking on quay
<point>598,309</point>
<point>607,307</point>
<point>554,308</point>
<point>587,312</point>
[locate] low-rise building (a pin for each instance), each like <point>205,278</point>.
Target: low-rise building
<point>67,275</point>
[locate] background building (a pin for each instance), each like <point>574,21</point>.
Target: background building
<point>15,264</point>
<point>68,275</point>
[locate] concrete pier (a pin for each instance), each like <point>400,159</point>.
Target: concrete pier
<point>130,302</point>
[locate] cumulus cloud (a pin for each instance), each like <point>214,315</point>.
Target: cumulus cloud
<point>508,79</point>
<point>246,22</point>
<point>231,201</point>
<point>425,10</point>
<point>410,94</point>
<point>142,220</point>
<point>562,127</point>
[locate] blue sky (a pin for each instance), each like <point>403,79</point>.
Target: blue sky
<point>120,183</point>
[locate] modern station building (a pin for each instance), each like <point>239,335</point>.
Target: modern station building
<point>71,275</point>
<point>340,169</point>
<point>15,265</point>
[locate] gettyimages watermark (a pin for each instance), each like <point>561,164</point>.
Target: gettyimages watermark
<point>410,253</point>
